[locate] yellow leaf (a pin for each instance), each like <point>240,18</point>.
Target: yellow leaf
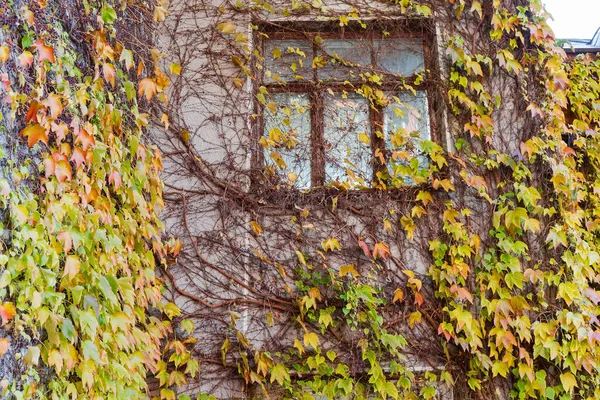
<point>256,228</point>
<point>300,257</point>
<point>226,27</point>
<point>160,13</point>
<point>331,244</point>
<point>398,295</point>
<point>568,381</point>
<point>175,69</point>
<point>311,339</point>
<point>55,359</point>
<point>364,138</point>
<point>4,53</point>
<point>348,269</point>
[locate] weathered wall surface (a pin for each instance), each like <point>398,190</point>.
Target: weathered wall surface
<point>239,244</point>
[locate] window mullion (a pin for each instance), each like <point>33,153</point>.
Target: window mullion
<point>317,140</point>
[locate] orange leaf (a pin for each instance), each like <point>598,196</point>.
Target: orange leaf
<point>45,53</point>
<point>63,171</point>
<point>25,59</point>
<point>382,250</point>
<point>147,87</point>
<point>34,134</point>
<point>110,74</point>
<point>7,312</point>
<point>85,139</point>
<point>3,346</point>
<point>55,104</point>
<point>31,115</point>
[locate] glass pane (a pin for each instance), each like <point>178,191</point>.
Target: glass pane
<point>352,51</point>
<point>406,125</point>
<point>287,138</point>
<point>347,134</point>
<point>288,60</point>
<point>402,56</point>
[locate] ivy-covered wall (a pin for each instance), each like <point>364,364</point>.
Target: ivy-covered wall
<point>469,283</point>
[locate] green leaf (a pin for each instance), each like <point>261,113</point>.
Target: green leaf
<point>108,14</point>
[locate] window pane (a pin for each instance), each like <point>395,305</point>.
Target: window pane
<point>402,56</point>
<point>288,60</point>
<point>353,51</point>
<point>287,138</point>
<point>406,125</point>
<point>347,134</point>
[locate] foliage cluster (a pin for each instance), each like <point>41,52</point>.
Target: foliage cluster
<point>82,235</point>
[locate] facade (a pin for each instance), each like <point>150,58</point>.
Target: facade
<point>302,129</point>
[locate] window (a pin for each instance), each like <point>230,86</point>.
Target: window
<point>349,109</point>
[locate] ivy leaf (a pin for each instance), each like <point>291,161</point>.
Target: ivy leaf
<point>72,266</point>
<point>55,359</point>
<point>381,250</point>
<point>226,28</point>
<point>160,13</point>
<point>279,373</point>
<point>54,103</point>
<point>45,53</point>
<point>4,53</point>
<point>348,269</point>
<point>32,357</point>
<point>110,73</point>
<point>108,13</point>
<point>568,381</point>
<point>175,69</point>
<point>62,170</point>
<point>7,312</point>
<point>35,133</point>
<point>25,59</point>
<point>331,244</point>
<point>4,345</point>
<point>147,87</point>
<point>311,339</point>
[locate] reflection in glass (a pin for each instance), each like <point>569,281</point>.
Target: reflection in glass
<point>402,56</point>
<point>288,60</point>
<point>347,134</point>
<point>406,125</point>
<point>288,136</point>
<point>352,51</point>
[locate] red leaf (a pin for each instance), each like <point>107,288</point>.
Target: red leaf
<point>365,248</point>
<point>35,133</point>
